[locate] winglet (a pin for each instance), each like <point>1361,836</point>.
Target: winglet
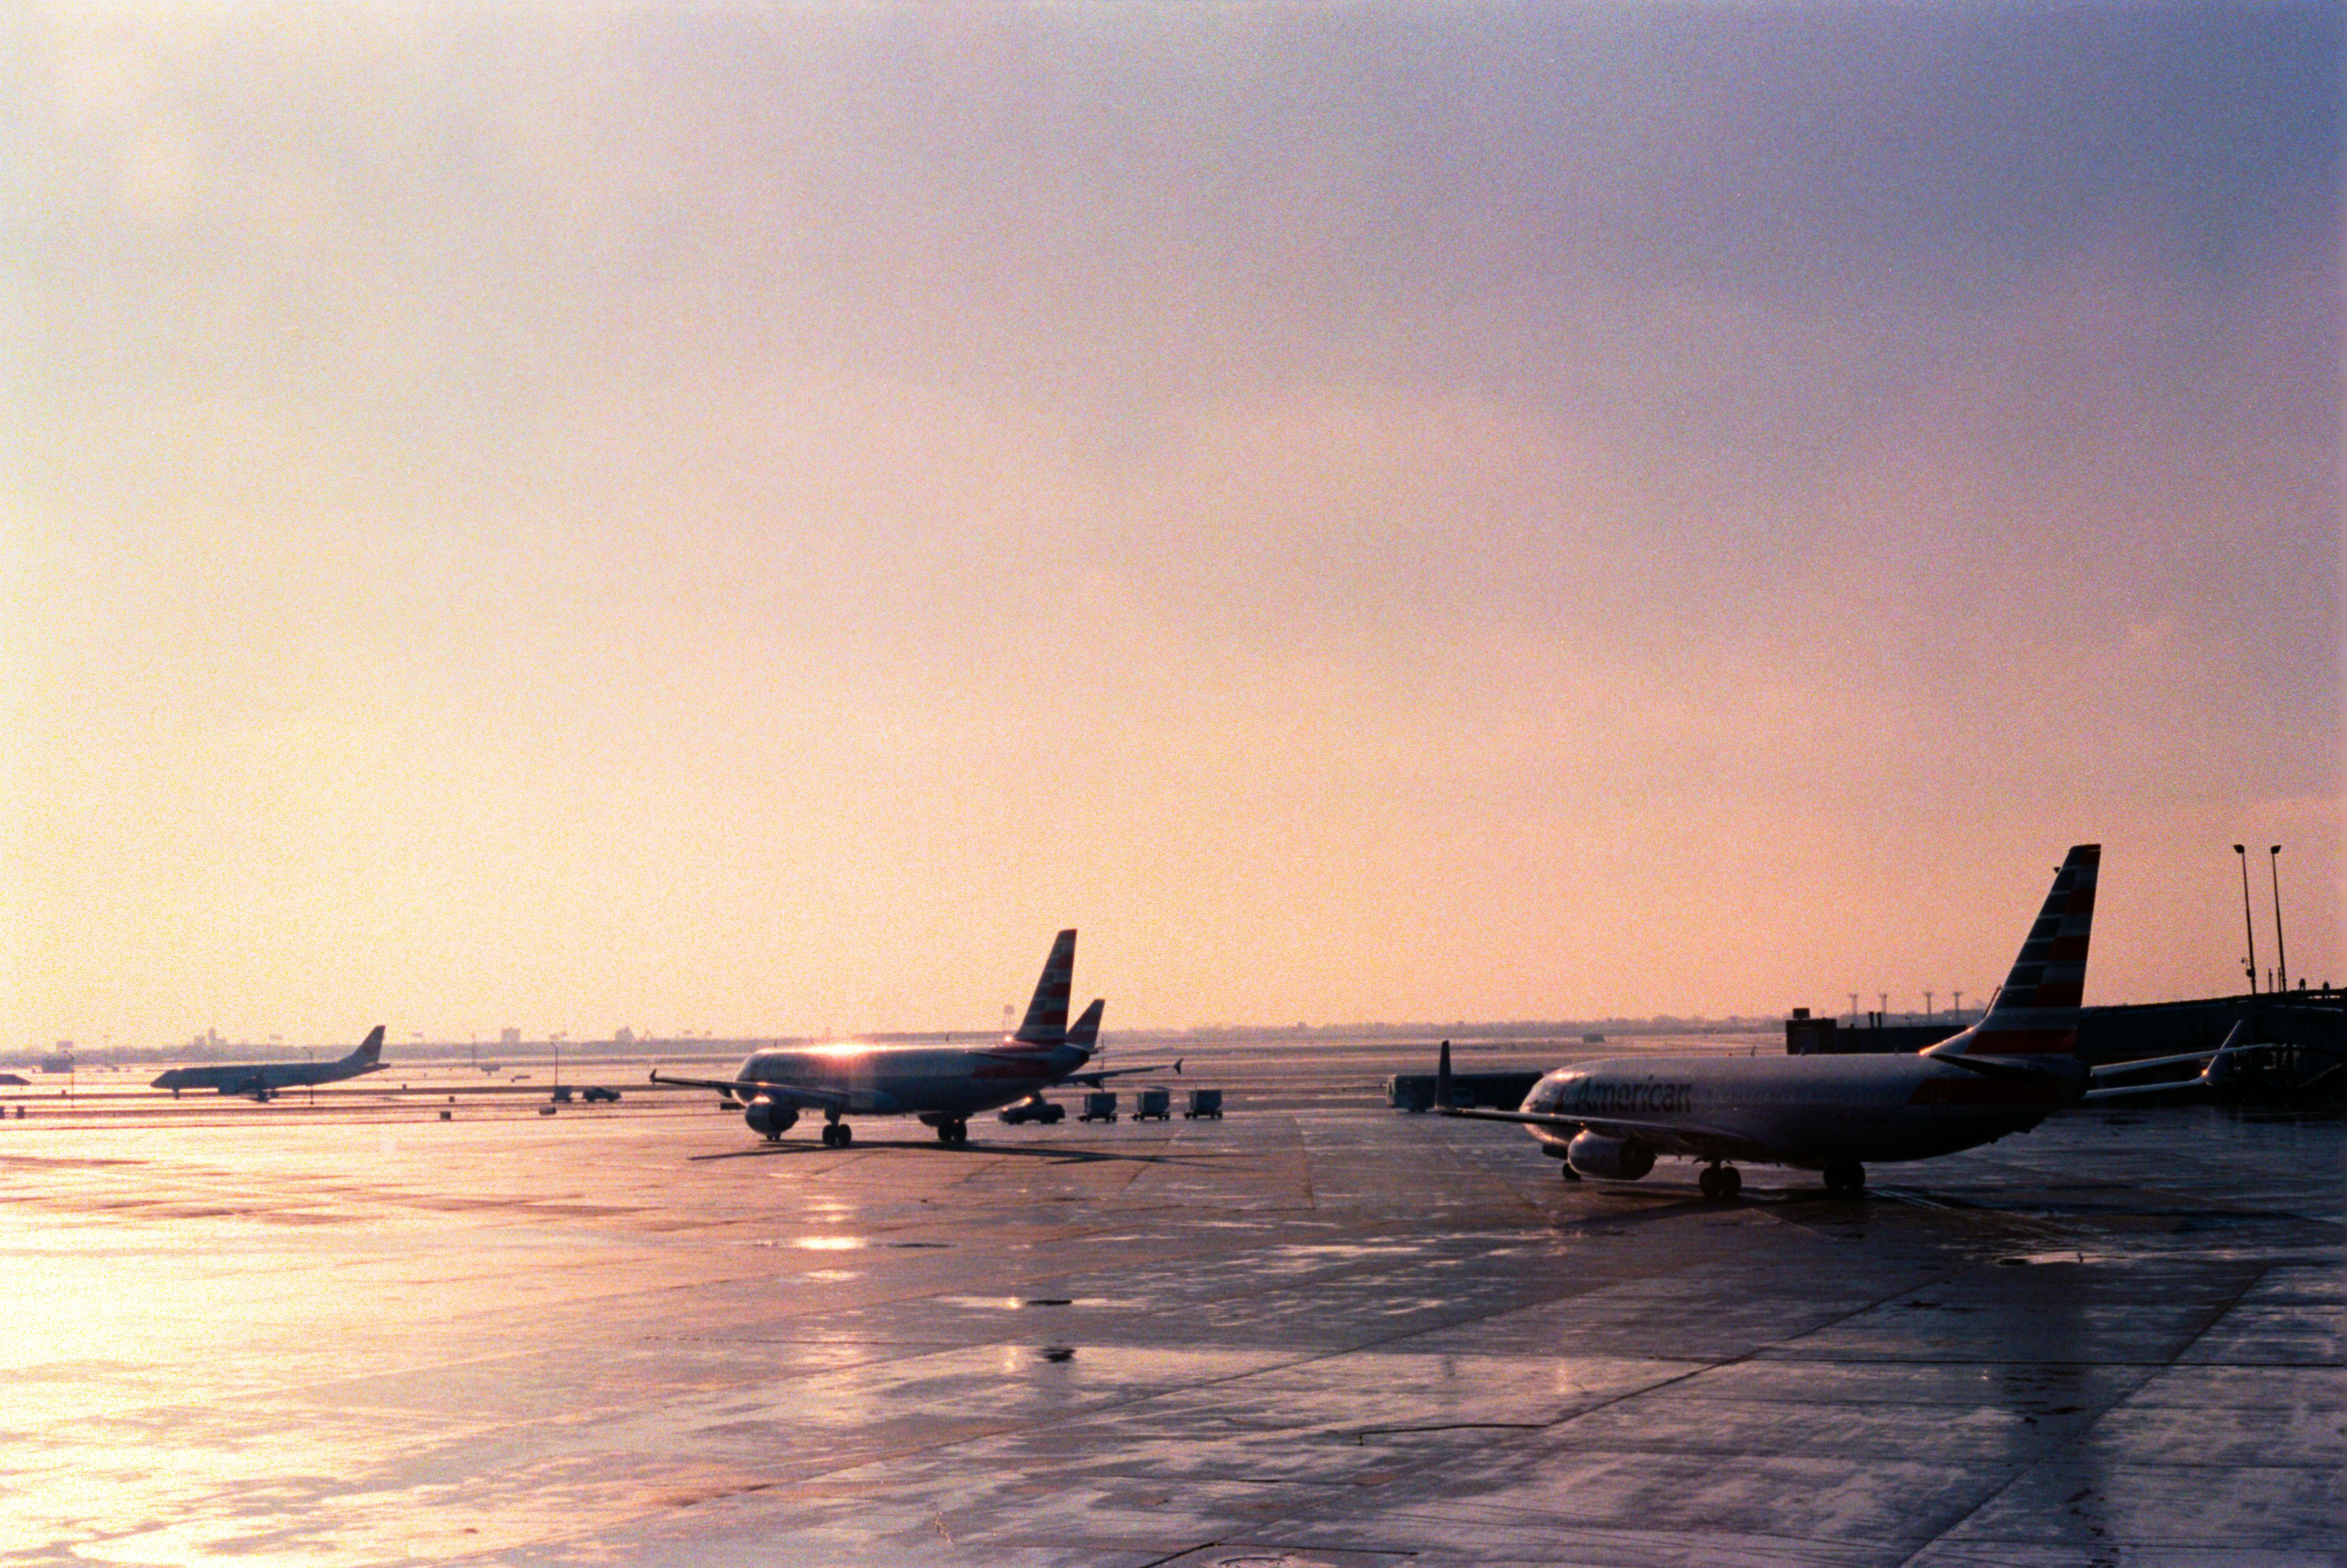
<point>1442,1079</point>
<point>2221,1070</point>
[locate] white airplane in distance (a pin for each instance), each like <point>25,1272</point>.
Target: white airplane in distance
<point>942,1086</point>
<point>263,1079</point>
<point>1834,1113</point>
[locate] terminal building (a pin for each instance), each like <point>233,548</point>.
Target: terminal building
<point>2299,1035</point>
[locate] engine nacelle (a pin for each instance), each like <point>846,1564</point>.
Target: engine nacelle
<point>1612,1159</point>
<point>769,1120</point>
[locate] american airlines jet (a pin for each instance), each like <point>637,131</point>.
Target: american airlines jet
<point>262,1079</point>
<point>943,1086</point>
<point>1835,1114</point>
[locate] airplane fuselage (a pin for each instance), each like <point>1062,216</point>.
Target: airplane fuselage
<point>250,1078</point>
<point>943,1081</point>
<point>1806,1112</point>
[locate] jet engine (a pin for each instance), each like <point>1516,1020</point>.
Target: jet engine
<point>770,1120</point>
<point>1614,1159</point>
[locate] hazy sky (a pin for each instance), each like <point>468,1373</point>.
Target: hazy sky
<point>750,518</point>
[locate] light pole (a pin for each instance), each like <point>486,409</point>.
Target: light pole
<point>1853,1010</point>
<point>2246,925</point>
<point>1956,1008</point>
<point>2282,954</point>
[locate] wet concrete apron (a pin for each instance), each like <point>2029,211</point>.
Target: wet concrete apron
<point>1320,1335</point>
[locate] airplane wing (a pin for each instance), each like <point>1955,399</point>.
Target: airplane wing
<point>1091,1076</point>
<point>2127,1091</point>
<point>751,1088</point>
<point>1690,1137</point>
<point>2210,1070</point>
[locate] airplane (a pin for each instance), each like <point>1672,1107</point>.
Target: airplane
<point>941,1086</point>
<point>262,1079</point>
<point>2006,1074</point>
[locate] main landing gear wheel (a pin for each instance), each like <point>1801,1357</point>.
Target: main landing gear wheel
<point>1845,1178</point>
<point>953,1134</point>
<point>1721,1181</point>
<point>837,1134</point>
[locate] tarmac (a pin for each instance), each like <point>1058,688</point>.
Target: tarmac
<point>1315,1332</point>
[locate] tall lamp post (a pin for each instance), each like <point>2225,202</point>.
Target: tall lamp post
<point>2247,926</point>
<point>2282,954</point>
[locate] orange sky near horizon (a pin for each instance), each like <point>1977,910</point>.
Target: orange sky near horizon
<point>749,520</point>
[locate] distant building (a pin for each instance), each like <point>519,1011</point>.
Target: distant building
<point>508,1037</point>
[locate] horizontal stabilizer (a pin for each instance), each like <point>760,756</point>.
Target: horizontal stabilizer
<point>1093,1076</point>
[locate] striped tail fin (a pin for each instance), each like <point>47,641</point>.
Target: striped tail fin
<point>1046,1010</point>
<point>2036,1011</point>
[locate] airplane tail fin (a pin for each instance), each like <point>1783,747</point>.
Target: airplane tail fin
<point>1046,1010</point>
<point>370,1051</point>
<point>2036,1011</point>
<point>1084,1033</point>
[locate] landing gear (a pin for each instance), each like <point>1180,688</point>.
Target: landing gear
<point>1845,1178</point>
<point>1721,1181</point>
<point>953,1133</point>
<point>837,1134</point>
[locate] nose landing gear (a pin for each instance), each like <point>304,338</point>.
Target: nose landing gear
<point>1719,1180</point>
<point>837,1134</point>
<point>1845,1178</point>
<point>953,1133</point>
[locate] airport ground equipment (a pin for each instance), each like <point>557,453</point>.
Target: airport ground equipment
<point>1153,1104</point>
<point>1204,1102</point>
<point>1034,1109</point>
<point>1100,1106</point>
<point>596,1091</point>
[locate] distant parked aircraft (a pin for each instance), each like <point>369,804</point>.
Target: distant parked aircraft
<point>2005,1074</point>
<point>262,1079</point>
<point>942,1086</point>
